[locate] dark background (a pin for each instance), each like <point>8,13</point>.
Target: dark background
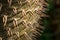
<point>55,16</point>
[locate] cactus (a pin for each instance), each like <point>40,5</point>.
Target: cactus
<point>21,19</point>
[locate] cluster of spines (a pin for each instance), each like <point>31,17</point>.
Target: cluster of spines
<point>12,11</point>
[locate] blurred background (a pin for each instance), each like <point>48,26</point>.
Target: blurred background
<point>55,17</point>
